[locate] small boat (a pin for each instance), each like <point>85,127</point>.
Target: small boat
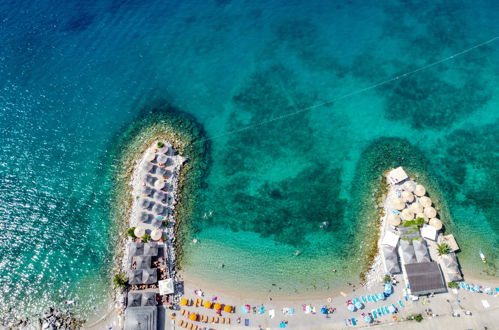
<point>482,256</point>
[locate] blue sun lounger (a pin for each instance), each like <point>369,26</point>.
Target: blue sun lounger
<point>400,303</point>
<point>462,285</point>
<point>246,322</point>
<point>369,298</point>
<point>374,314</point>
<point>379,311</point>
<point>387,311</point>
<point>374,298</point>
<point>354,321</point>
<point>364,300</point>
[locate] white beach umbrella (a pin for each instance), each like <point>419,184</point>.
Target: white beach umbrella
<point>139,231</point>
<point>150,156</point>
<point>434,222</point>
<point>156,234</point>
<point>393,219</point>
<point>409,186</point>
<point>421,215</point>
<point>430,212</point>
<point>407,214</point>
<point>159,184</point>
<point>398,203</point>
<point>425,201</point>
<point>420,190</point>
<point>147,166</point>
<point>163,149</point>
<point>162,158</point>
<point>407,196</point>
<point>416,208</point>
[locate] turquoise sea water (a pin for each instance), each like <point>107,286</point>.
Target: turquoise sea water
<point>73,74</point>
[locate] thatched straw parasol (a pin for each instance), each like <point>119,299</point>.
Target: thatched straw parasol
<point>425,201</point>
<point>416,208</point>
<point>393,219</point>
<point>156,234</point>
<point>420,190</point>
<point>162,158</point>
<point>409,186</point>
<point>407,196</point>
<point>147,166</point>
<point>163,149</point>
<point>398,203</point>
<point>159,184</point>
<point>139,232</point>
<point>430,212</point>
<point>150,156</point>
<point>434,222</point>
<point>407,214</point>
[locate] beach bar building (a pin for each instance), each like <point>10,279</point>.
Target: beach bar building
<point>390,259</point>
<point>425,278</point>
<point>141,318</point>
<point>397,175</point>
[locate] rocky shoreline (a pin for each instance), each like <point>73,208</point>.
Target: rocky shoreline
<point>52,319</point>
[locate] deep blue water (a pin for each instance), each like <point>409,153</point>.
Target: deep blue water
<point>73,73</point>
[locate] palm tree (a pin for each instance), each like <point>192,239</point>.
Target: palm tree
<point>443,248</point>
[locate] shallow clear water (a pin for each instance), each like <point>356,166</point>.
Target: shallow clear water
<point>72,75</point>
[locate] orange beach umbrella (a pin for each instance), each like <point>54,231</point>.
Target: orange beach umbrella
<point>193,317</point>
<point>228,309</point>
<point>183,302</point>
<point>217,306</point>
<point>207,304</point>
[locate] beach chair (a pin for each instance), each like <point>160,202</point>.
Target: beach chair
<point>185,325</point>
<point>190,326</point>
<point>205,319</point>
<point>246,322</point>
<point>387,310</point>
<point>374,314</point>
<point>354,321</point>
<point>227,320</point>
<point>211,319</point>
<point>216,319</point>
<point>401,304</point>
<point>364,300</point>
<point>180,323</point>
<point>369,298</point>
<point>195,327</point>
<point>222,320</point>
<point>374,298</point>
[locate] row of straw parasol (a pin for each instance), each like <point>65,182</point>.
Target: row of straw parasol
<point>421,209</point>
<point>156,233</point>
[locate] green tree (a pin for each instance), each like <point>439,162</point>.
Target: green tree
<point>120,281</point>
<point>419,222</point>
<point>387,279</point>
<point>452,285</point>
<point>130,232</point>
<point>443,248</point>
<point>146,238</point>
<point>160,144</point>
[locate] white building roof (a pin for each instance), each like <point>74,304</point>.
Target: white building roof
<point>396,175</point>
<point>166,286</point>
<point>390,239</point>
<point>429,232</point>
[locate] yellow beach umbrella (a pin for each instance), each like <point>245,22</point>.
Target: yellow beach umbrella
<point>420,190</point>
<point>193,317</point>
<point>228,309</point>
<point>183,302</point>
<point>207,304</point>
<point>425,201</point>
<point>430,212</point>
<point>434,222</point>
<point>407,214</point>
<point>407,196</point>
<point>416,207</point>
<point>217,307</point>
<point>393,219</point>
<point>398,203</point>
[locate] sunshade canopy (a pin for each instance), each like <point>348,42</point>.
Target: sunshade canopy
<point>416,207</point>
<point>162,158</point>
<point>398,203</point>
<point>425,201</point>
<point>156,234</point>
<point>407,196</point>
<point>134,299</point>
<point>430,212</point>
<point>149,299</point>
<point>420,190</point>
<point>434,222</point>
<point>407,214</point>
<point>409,186</point>
<point>151,249</point>
<point>139,231</point>
<point>159,184</point>
<point>393,219</point>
